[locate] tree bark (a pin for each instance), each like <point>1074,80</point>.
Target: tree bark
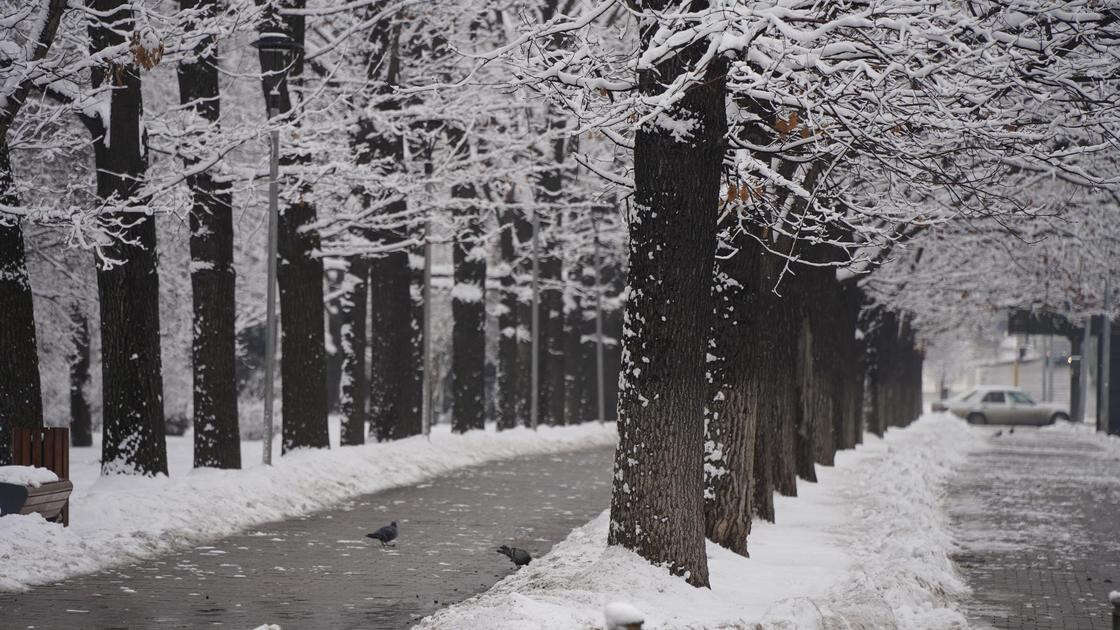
<point>20,392</point>
<point>411,403</point>
<point>468,310</point>
<point>551,341</point>
<point>512,382</point>
<point>355,386</point>
<point>81,420</point>
<point>393,360</point>
<point>217,439</point>
<point>303,367</point>
<point>127,277</point>
<point>657,501</point>
<point>20,388</point>
<point>580,369</point>
<point>732,413</point>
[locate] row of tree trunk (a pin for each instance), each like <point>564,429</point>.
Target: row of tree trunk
<point>730,392</point>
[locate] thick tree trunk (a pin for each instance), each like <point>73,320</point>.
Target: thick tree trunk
<point>511,378</point>
<point>303,366</point>
<point>81,420</point>
<point>657,506</point>
<point>20,393</point>
<point>20,388</point>
<point>732,413</point>
<point>355,386</point>
<point>823,312</point>
<point>613,315</point>
<point>393,361</point>
<point>468,312</point>
<point>551,343</point>
<point>217,439</point>
<point>127,278</point>
<point>580,369</point>
<point>411,402</point>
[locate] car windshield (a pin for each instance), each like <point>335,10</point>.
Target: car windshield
<point>1020,398</point>
<point>969,396</point>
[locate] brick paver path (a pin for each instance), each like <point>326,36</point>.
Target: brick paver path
<point>319,572</point>
<point>1037,516</point>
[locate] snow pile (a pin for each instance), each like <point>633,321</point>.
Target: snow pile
<point>124,518</point>
<point>620,615</point>
<point>868,546</point>
<point>26,475</point>
<point>1088,429</point>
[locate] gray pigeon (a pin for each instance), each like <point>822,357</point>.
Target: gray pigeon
<point>385,534</point>
<point>520,557</point>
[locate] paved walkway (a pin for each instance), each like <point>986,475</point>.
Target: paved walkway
<point>1037,515</point>
<point>320,571</point>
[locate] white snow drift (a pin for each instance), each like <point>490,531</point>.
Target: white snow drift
<point>865,547</point>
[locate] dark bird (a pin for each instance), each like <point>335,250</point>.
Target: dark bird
<point>385,534</point>
<point>1011,430</point>
<point>520,557</point>
<point>998,433</point>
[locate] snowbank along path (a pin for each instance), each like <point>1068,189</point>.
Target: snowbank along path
<point>117,520</point>
<point>866,547</point>
<point>319,571</point>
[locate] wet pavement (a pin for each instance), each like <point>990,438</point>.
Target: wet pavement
<point>1037,516</point>
<point>320,571</point>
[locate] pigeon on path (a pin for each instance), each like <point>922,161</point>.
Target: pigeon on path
<point>519,556</point>
<point>386,534</point>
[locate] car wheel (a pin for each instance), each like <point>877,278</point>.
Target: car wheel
<point>1059,416</point>
<point>977,418</point>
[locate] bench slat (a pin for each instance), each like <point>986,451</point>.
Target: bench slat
<point>48,510</point>
<point>46,447</point>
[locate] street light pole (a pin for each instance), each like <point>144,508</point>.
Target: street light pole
<point>275,48</point>
<point>427,332</point>
<point>534,369</point>
<point>270,309</point>
<point>599,371</point>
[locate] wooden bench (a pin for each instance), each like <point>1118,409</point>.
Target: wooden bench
<point>45,447</point>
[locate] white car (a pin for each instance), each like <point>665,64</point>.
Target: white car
<point>1001,404</point>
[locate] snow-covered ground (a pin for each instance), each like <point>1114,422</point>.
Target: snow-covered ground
<point>1087,428</point>
<point>120,519</point>
<point>866,547</point>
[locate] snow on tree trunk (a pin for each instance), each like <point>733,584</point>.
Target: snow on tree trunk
<point>468,312</point>
<point>511,374</point>
<point>81,421</point>
<point>355,386</point>
<point>657,501</point>
<point>515,368</point>
<point>303,366</point>
<point>731,417</point>
<point>127,277</point>
<point>392,359</point>
<point>217,439</point>
<point>410,421</point>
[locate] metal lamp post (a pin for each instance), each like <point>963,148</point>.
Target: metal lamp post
<point>275,49</point>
